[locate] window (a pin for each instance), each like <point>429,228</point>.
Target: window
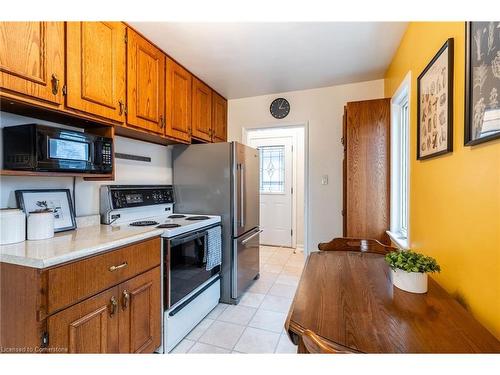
<point>400,124</point>
<point>272,169</point>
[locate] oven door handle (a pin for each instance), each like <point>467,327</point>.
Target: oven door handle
<point>184,239</point>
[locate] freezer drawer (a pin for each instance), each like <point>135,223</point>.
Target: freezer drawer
<point>245,262</point>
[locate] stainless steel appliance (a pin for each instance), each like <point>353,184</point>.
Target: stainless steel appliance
<point>223,179</point>
<point>45,148</point>
<point>189,291</point>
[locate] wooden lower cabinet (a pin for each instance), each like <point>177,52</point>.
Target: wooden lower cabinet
<point>140,313</point>
<point>90,326</point>
<point>123,319</point>
<point>121,314</point>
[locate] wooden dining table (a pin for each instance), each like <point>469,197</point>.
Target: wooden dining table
<point>348,299</point>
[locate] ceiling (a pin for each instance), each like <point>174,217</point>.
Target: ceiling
<point>249,59</point>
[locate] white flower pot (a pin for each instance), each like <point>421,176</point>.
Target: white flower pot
<point>414,282</point>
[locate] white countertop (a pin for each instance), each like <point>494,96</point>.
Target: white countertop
<point>75,244</point>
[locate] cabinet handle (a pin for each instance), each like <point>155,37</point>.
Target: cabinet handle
<point>55,84</point>
<point>162,122</point>
<point>125,299</point>
<point>122,106</point>
<point>114,268</point>
<point>113,303</point>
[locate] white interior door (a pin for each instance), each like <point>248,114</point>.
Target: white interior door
<point>275,189</point>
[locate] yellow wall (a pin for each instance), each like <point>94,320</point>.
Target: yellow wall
<point>454,198</point>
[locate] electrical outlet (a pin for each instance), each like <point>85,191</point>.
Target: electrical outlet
<point>324,179</point>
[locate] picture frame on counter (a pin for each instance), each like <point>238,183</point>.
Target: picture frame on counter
<point>435,105</point>
<point>482,82</point>
<point>57,200</point>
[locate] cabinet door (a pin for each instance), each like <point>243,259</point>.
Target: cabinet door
<point>95,66</point>
<point>178,101</point>
<point>140,313</point>
<point>145,84</point>
<point>367,169</point>
<point>90,326</point>
<point>32,59</point>
<point>219,118</point>
<point>202,111</point>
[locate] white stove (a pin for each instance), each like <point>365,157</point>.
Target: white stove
<point>148,206</point>
<point>190,288</point>
<point>172,224</point>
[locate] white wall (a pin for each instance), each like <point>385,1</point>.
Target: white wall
<point>158,171</point>
<point>321,109</point>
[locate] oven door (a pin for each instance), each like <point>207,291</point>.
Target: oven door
<point>186,263</point>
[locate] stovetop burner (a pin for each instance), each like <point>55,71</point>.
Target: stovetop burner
<point>176,216</point>
<point>143,223</point>
<point>197,218</point>
<point>167,225</point>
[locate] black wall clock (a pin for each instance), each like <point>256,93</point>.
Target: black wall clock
<point>280,108</point>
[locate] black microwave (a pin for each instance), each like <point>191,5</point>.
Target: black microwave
<point>37,147</point>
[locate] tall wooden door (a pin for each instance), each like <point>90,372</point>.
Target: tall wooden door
<point>367,169</point>
<point>179,82</point>
<point>219,118</point>
<point>202,111</point>
<point>32,59</point>
<point>90,326</point>
<point>95,61</point>
<point>140,313</point>
<point>145,84</point>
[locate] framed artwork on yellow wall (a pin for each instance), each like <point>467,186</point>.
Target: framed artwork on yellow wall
<point>435,105</point>
<point>482,82</point>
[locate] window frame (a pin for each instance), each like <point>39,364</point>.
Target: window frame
<point>400,164</point>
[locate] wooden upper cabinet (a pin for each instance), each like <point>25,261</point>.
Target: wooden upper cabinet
<point>179,82</point>
<point>202,111</point>
<point>32,59</point>
<point>145,84</point>
<point>140,313</point>
<point>219,118</point>
<point>95,60</point>
<point>90,326</point>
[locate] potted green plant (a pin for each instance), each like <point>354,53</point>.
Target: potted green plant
<point>409,270</point>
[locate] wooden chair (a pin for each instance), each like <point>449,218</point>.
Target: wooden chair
<point>315,344</point>
<point>356,244</point>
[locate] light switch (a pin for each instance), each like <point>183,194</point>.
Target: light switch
<point>324,179</point>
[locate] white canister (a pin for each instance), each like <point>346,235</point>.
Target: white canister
<point>12,226</point>
<point>414,282</point>
<point>40,225</point>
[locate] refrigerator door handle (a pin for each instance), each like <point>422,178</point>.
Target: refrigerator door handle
<point>252,236</point>
<point>234,271</point>
<point>242,195</point>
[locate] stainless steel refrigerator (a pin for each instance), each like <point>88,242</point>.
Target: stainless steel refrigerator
<point>223,179</point>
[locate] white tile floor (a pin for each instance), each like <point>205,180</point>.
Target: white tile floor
<point>256,324</point>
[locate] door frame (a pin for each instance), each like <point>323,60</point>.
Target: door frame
<point>293,200</point>
<point>305,125</point>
